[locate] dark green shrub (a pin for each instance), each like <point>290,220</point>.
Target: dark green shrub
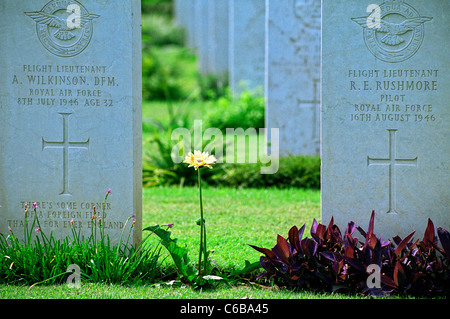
<point>212,87</point>
<point>168,69</point>
<point>247,111</point>
<point>159,30</point>
<point>294,171</point>
<point>168,74</point>
<point>161,6</point>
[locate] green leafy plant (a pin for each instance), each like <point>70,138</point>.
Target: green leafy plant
<point>158,29</point>
<point>163,76</point>
<point>183,263</point>
<point>168,68</point>
<point>178,254</point>
<point>186,267</point>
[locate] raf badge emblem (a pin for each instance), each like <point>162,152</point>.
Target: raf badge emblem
<point>64,27</point>
<point>394,31</point>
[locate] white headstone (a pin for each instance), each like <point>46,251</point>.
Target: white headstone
<point>184,15</point>
<point>293,74</point>
<point>385,114</point>
<point>70,114</point>
<point>218,37</point>
<point>247,44</point>
<point>183,11</point>
<point>178,12</point>
<point>202,38</point>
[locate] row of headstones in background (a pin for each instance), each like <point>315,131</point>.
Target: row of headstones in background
<point>225,43</point>
<point>267,44</point>
<point>293,74</point>
<point>206,26</point>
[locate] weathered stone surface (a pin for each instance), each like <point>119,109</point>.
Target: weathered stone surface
<point>247,48</point>
<point>385,114</point>
<point>293,74</point>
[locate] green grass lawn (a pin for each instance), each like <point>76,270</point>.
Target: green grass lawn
<point>234,217</point>
<point>159,291</point>
<point>159,110</point>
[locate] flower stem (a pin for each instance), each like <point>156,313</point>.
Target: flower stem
<point>205,270</point>
<point>201,224</point>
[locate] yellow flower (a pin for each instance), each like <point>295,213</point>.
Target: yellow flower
<point>199,159</point>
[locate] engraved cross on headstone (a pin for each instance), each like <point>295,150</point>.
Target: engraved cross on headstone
<point>314,105</point>
<point>65,145</point>
<point>392,162</point>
